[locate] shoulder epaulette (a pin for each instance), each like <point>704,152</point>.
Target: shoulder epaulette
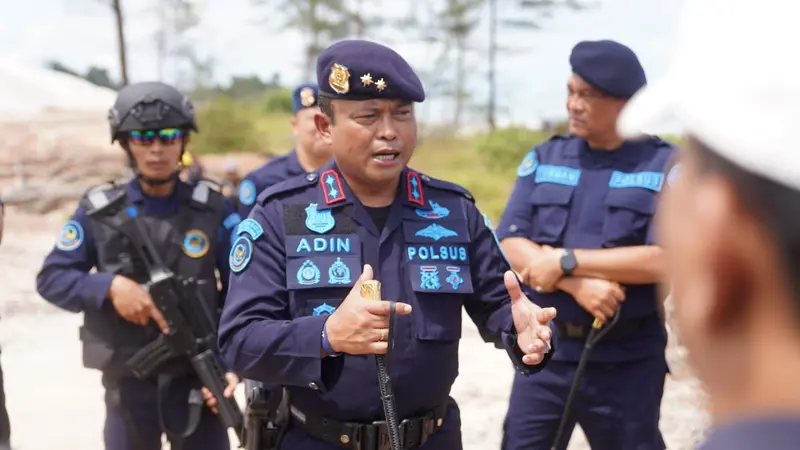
<point>212,183</point>
<point>102,195</point>
<point>290,185</point>
<point>446,186</point>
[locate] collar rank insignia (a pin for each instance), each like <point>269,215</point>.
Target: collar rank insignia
<point>331,186</point>
<point>454,279</point>
<point>436,211</point>
<point>319,222</point>
<point>308,274</point>
<point>324,310</point>
<point>339,273</point>
<point>414,186</point>
<point>435,232</point>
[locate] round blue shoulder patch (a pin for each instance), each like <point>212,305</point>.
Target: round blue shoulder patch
<point>241,253</point>
<point>71,236</point>
<point>528,165</point>
<point>247,192</point>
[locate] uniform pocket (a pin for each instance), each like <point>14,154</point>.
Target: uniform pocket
<point>628,215</point>
<point>439,290</point>
<point>550,204</point>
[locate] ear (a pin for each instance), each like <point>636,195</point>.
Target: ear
<point>323,124</point>
<point>729,254</point>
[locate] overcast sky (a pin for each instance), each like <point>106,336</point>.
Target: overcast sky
<point>81,33</point>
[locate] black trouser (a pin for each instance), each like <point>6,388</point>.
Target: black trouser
<point>5,425</point>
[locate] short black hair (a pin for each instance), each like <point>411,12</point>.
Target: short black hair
<point>326,106</point>
<point>775,205</point>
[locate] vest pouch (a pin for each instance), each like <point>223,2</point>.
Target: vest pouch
<point>97,354</point>
<point>550,204</point>
<point>439,290</point>
<point>628,215</point>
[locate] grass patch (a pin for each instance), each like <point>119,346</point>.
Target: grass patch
<point>484,164</point>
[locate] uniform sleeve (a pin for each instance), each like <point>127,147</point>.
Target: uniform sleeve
<point>259,337</point>
<point>516,218</point>
<point>490,306</point>
<point>227,229</point>
<point>248,192</point>
<point>64,279</point>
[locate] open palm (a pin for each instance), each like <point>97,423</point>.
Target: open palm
<point>531,322</point>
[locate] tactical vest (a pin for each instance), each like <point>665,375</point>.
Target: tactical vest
<point>187,243</point>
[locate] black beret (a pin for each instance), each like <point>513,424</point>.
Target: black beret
<point>608,66</point>
<point>364,70</point>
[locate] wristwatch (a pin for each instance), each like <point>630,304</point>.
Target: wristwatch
<point>568,262</point>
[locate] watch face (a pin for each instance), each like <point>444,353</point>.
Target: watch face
<point>568,261</point>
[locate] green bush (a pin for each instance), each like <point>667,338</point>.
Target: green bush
<point>227,126</point>
<point>504,149</point>
<point>277,100</point>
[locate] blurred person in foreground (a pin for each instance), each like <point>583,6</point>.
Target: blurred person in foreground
<point>309,154</point>
<point>5,424</point>
<point>578,226</point>
<point>295,316</point>
<point>190,227</point>
<point>730,226</point>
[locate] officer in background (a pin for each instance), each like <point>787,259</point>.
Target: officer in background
<point>191,228</point>
<point>729,221</point>
<point>294,315</point>
<point>5,424</point>
<point>310,152</point>
<point>578,225</point>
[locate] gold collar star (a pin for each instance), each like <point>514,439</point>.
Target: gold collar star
<point>380,84</point>
<point>366,79</point>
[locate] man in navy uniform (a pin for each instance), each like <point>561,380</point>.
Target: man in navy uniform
<point>729,220</point>
<point>309,154</point>
<point>294,315</point>
<point>578,225</point>
<point>190,226</point>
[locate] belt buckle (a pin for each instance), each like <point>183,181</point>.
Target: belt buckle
<point>380,436</point>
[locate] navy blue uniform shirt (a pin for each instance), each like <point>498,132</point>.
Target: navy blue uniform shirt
<point>570,196</point>
<point>301,250</point>
<point>273,172</point>
<point>65,279</point>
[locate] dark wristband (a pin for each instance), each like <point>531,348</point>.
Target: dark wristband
<point>326,344</point>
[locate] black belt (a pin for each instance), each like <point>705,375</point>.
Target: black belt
<point>622,330</point>
<point>370,436</point>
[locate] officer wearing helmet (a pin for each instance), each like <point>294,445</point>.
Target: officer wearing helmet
<point>190,227</point>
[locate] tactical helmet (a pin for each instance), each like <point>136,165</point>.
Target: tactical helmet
<point>148,106</point>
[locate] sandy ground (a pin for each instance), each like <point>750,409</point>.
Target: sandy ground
<point>55,403</point>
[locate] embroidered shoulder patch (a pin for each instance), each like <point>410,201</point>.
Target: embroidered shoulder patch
<point>250,227</point>
<point>241,254</point>
<point>528,165</point>
<point>71,236</point>
<point>247,192</point>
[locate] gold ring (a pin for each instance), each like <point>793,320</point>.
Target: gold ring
<point>383,335</point>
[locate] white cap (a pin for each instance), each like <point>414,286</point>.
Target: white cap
<point>734,83</point>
